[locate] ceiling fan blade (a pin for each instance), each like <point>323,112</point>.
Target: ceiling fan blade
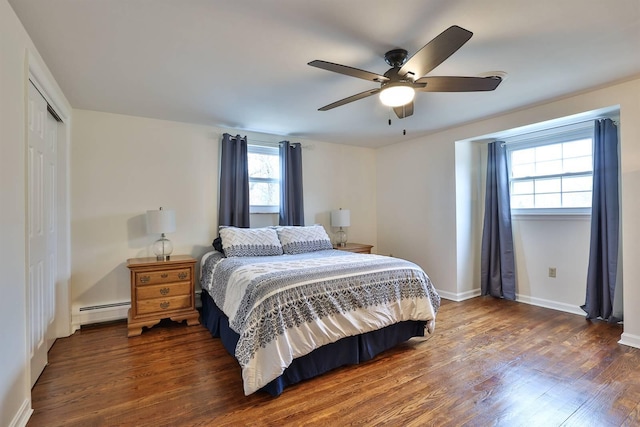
<point>458,84</point>
<point>349,71</point>
<point>352,98</point>
<point>436,51</point>
<point>404,110</point>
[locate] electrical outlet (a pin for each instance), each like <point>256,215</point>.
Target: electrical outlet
<point>552,272</point>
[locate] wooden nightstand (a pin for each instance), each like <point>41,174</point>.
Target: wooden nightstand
<point>161,290</point>
<point>355,247</point>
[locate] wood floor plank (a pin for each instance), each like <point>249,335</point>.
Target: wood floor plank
<point>489,362</point>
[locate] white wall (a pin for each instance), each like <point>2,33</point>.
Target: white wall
<point>416,206</point>
<point>15,48</point>
<point>122,166</point>
<point>543,242</point>
<point>470,168</point>
<point>418,196</point>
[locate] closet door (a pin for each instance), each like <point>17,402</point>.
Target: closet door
<point>41,184</point>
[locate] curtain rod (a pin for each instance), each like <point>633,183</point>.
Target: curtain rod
<point>271,143</point>
<point>519,135</point>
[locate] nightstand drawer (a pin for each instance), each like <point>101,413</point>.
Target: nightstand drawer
<point>158,305</point>
<point>163,291</point>
<point>163,276</point>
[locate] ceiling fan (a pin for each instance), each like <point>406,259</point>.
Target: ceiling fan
<point>399,83</point>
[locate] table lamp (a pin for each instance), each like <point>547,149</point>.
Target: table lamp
<point>160,222</point>
<point>341,218</point>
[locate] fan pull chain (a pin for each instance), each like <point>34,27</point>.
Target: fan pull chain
<point>404,131</point>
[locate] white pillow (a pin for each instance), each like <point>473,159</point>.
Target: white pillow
<point>297,240</point>
<point>249,241</point>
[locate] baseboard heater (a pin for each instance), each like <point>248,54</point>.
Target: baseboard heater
<point>99,314</point>
<point>107,312</point>
<point>103,306</point>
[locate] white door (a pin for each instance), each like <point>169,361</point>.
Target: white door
<point>41,184</point>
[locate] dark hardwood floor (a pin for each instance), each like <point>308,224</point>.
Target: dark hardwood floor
<point>489,362</point>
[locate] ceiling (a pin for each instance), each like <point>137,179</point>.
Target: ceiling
<point>243,64</point>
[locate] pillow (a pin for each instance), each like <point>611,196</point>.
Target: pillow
<point>250,241</point>
<point>297,240</point>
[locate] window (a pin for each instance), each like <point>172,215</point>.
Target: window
<point>552,170</point>
<point>264,179</point>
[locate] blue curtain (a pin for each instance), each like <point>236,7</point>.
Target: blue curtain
<point>605,223</point>
<point>234,182</point>
<point>497,259</point>
<point>291,200</point>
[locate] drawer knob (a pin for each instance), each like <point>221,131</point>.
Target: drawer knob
<point>182,275</point>
<point>165,291</point>
<point>144,279</point>
<point>164,275</point>
<point>164,305</point>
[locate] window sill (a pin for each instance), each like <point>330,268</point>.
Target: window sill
<point>578,214</point>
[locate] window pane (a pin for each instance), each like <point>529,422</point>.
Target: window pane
<point>264,193</point>
<point>578,164</point>
<point>523,156</point>
<point>579,148</point>
<point>577,183</point>
<point>264,166</point>
<point>551,200</point>
<point>522,170</point>
<point>548,185</point>
<point>522,187</point>
<point>549,168</point>
<point>522,202</point>
<point>553,172</point>
<point>577,200</point>
<point>264,176</point>
<point>549,152</point>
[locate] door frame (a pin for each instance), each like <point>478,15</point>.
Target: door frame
<point>46,85</point>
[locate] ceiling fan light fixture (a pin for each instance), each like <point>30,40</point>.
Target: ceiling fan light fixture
<point>396,94</point>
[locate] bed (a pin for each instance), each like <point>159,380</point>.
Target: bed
<point>289,307</point>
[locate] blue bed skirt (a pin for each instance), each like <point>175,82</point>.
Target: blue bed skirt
<point>347,351</point>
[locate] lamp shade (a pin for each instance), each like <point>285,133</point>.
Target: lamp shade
<point>341,218</point>
<point>161,221</point>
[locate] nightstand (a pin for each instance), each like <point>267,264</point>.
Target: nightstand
<point>161,290</point>
<point>355,247</point>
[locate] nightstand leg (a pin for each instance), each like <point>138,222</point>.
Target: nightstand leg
<point>133,332</point>
<point>193,321</point>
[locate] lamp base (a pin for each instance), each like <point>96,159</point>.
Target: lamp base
<point>341,238</point>
<point>162,248</point>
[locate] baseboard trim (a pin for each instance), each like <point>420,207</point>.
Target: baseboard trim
<point>560,306</point>
<point>629,340</point>
<point>23,415</point>
<point>554,305</point>
<point>457,297</point>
